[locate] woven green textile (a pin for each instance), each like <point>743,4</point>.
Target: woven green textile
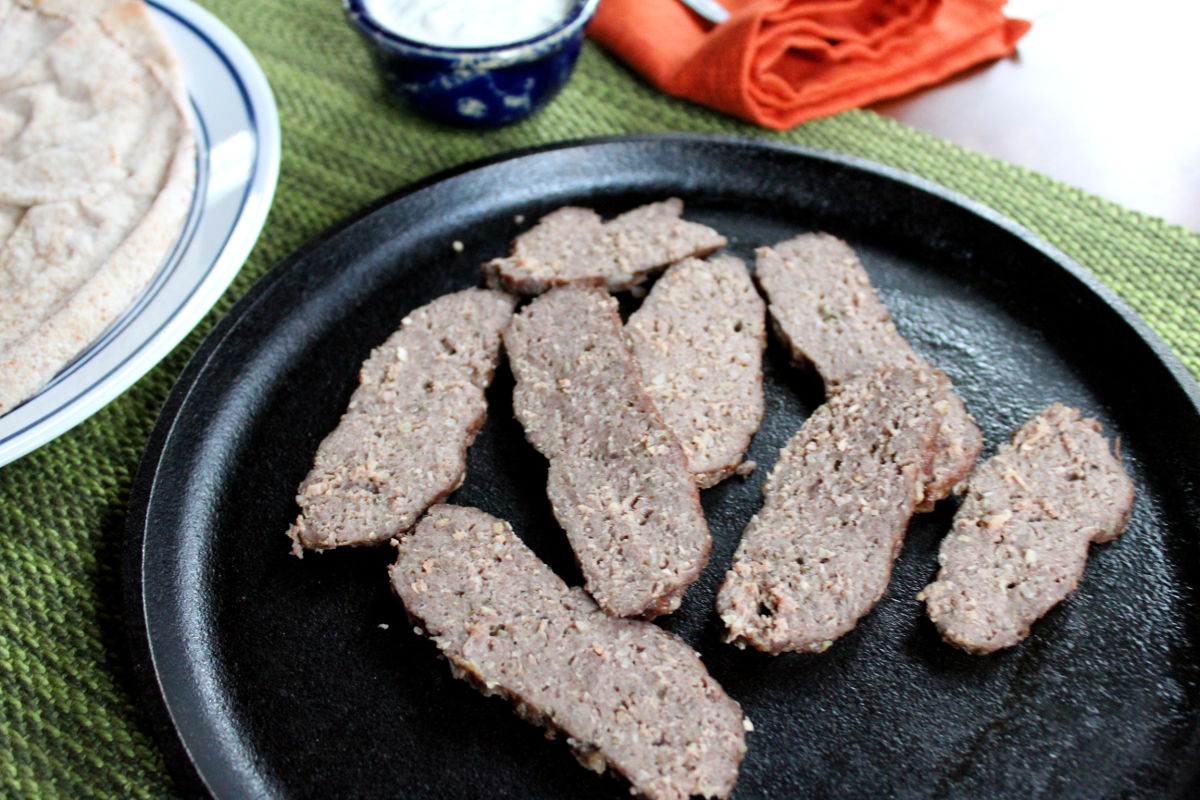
<point>70,725</point>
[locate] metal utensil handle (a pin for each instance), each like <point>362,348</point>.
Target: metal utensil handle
<point>711,10</point>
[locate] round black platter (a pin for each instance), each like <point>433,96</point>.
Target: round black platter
<point>272,676</point>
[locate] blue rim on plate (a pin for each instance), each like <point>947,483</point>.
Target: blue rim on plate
<point>237,152</point>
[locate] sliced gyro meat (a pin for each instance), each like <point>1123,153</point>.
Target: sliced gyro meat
<point>618,481</point>
<point>819,554</point>
<point>625,693</point>
<point>401,445</point>
<point>574,246</point>
<point>824,308</point>
<point>699,338</point>
<point>1020,539</point>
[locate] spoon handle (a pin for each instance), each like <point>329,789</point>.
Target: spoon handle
<point>711,10</point>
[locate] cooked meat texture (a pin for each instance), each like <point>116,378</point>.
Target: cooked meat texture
<point>618,481</point>
<point>626,693</point>
<point>959,442</point>
<point>824,308</point>
<point>1020,538</point>
<point>699,340</point>
<point>401,445</point>
<point>574,246</point>
<point>819,554</point>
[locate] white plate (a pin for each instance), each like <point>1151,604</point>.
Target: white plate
<point>237,153</point>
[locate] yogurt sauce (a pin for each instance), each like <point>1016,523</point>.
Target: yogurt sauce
<point>468,23</point>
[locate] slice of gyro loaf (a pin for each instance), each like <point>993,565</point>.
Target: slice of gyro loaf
<point>618,481</point>
<point>1020,539</point>
<point>625,693</point>
<point>402,443</point>
<point>824,308</point>
<point>819,554</point>
<point>699,338</point>
<point>574,246</point>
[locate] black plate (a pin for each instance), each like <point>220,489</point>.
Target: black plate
<point>269,675</point>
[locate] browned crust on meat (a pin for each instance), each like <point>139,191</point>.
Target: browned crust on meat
<point>1019,543</point>
<point>401,445</point>
<point>819,554</point>
<point>618,481</point>
<point>626,694</point>
<point>823,307</point>
<point>699,339</point>
<point>573,246</point>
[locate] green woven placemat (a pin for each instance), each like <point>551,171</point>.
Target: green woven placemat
<point>70,726</point>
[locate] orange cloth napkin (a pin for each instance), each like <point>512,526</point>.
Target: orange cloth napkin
<point>779,63</point>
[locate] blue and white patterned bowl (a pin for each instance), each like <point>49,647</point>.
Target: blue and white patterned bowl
<point>481,86</point>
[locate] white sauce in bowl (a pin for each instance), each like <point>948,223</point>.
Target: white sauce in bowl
<point>468,23</point>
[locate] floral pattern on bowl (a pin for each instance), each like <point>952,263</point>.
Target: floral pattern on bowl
<point>475,87</point>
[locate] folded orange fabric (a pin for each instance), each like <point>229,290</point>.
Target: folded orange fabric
<point>781,62</point>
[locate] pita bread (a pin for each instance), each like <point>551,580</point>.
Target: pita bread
<point>97,171</point>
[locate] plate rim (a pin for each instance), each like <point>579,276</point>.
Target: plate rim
<point>260,184</point>
<point>144,657</point>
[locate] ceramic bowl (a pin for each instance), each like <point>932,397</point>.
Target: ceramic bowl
<point>478,86</point>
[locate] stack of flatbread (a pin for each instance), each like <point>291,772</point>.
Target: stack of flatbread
<point>97,171</point>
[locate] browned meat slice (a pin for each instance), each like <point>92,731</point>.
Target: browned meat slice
<point>699,340</point>
<point>573,246</point>
<point>1020,538</point>
<point>626,693</point>
<point>401,445</point>
<point>819,554</point>
<point>823,306</point>
<point>618,481</point>
<point>959,442</point>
